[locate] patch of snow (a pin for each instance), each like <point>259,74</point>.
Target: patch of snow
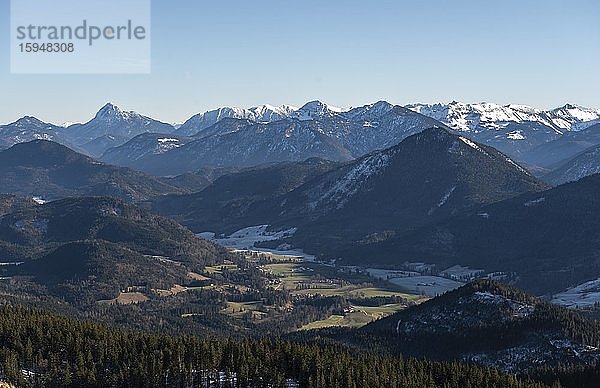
<point>509,160</point>
<point>315,109</point>
<point>472,145</point>
<point>350,183</point>
<point>519,310</point>
<point>248,237</point>
<point>497,275</point>
<point>446,197</point>
<point>39,200</point>
<point>583,295</point>
<point>460,273</point>
<point>244,240</point>
<point>515,135</point>
<point>167,140</point>
<point>42,136</point>
<point>442,201</point>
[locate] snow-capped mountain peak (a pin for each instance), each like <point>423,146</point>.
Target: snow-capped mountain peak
<point>111,126</point>
<point>26,129</point>
<point>268,113</point>
<point>370,111</point>
<point>109,109</point>
<point>575,115</point>
<point>30,122</point>
<point>111,112</point>
<point>316,109</point>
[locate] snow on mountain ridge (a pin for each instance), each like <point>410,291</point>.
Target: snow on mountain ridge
<point>346,186</point>
<point>26,129</point>
<point>369,112</point>
<point>314,110</point>
<point>111,112</point>
<point>480,116</point>
<point>261,114</point>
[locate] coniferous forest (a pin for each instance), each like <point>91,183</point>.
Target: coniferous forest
<point>42,349</point>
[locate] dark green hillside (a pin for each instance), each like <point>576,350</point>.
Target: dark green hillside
<point>427,177</point>
<point>10,203</point>
<point>57,351</point>
<point>488,323</point>
<point>52,171</point>
<point>236,200</point>
<point>551,239</point>
<point>39,227</point>
<point>84,272</point>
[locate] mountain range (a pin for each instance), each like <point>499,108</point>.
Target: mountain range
<point>260,114</point>
<point>425,178</point>
<point>314,130</point>
<point>514,129</point>
<point>436,197</point>
<point>484,116</point>
<point>396,176</point>
<point>239,137</point>
<point>29,128</point>
<point>111,127</point>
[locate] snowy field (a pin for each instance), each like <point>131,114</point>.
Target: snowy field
<point>583,295</point>
<point>458,272</point>
<point>246,239</point>
<point>428,285</point>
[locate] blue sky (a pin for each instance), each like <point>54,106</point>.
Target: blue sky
<point>346,53</point>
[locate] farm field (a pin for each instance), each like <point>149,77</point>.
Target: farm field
<point>426,285</point>
<point>217,269</point>
<point>126,298</point>
<point>357,316</point>
<point>313,278</point>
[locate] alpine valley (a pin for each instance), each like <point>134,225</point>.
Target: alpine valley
<point>429,245</point>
